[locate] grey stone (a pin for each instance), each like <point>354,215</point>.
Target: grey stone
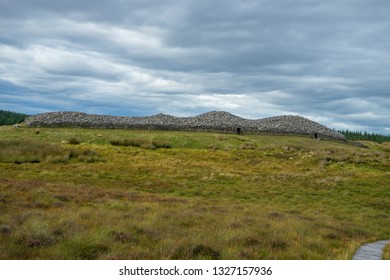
<point>211,121</point>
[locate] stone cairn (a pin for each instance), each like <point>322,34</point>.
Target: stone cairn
<point>211,121</point>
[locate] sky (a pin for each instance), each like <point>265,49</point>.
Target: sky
<point>328,61</point>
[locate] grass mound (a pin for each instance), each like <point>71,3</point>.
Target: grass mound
<point>31,151</point>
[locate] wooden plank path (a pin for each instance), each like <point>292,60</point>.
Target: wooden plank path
<point>371,251</point>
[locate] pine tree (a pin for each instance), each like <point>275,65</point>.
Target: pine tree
<point>356,135</point>
<point>10,118</point>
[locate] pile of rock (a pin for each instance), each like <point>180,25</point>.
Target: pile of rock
<point>216,121</point>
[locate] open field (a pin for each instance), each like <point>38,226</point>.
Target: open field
<point>74,193</point>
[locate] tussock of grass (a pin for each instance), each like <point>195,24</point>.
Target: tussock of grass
<point>129,142</point>
<point>199,251</point>
<point>89,251</point>
<point>141,143</point>
<point>74,141</point>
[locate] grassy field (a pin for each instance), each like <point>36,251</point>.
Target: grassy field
<point>121,194</point>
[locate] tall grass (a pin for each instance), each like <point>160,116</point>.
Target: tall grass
<point>386,253</point>
<point>31,151</point>
<point>141,143</point>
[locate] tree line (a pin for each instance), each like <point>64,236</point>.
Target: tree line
<point>355,135</point>
<point>10,118</point>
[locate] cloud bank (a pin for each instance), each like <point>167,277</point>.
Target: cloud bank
<point>328,61</point>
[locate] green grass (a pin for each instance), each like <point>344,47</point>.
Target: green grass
<point>209,196</point>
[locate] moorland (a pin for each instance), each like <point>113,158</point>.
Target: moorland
<point>77,193</point>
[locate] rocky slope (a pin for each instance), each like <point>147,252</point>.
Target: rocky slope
<point>216,121</point>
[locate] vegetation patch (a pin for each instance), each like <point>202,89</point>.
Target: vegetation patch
<point>252,197</point>
<point>74,141</point>
<point>141,143</point>
<point>90,251</point>
<point>31,151</point>
<point>200,251</point>
<point>386,253</point>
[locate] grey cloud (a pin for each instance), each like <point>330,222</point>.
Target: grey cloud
<point>252,58</point>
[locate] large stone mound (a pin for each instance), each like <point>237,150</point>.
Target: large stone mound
<point>217,121</point>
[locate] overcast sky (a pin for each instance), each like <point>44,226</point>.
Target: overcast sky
<point>325,60</point>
